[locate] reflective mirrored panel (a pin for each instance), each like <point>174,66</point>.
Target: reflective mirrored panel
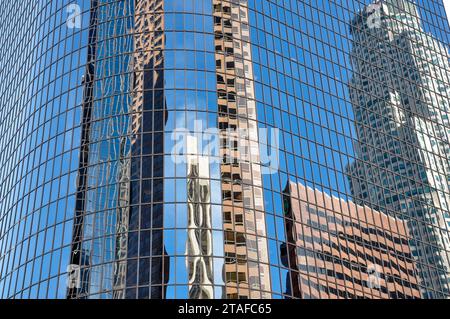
<point>223,149</point>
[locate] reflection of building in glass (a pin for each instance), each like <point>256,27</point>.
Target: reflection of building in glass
<point>123,215</point>
<point>337,249</point>
<point>246,269</point>
<point>199,247</point>
<point>80,256</point>
<point>400,94</point>
<point>88,181</point>
<point>147,262</point>
<point>136,253</point>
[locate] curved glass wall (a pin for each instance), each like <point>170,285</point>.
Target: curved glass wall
<point>42,92</point>
<point>224,149</point>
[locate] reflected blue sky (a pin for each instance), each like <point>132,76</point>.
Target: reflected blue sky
<point>301,64</point>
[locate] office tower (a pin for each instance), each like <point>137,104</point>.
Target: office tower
<point>199,251</point>
<point>146,145</point>
<point>149,116</point>
<point>243,204</point>
<point>337,249</point>
<point>79,262</point>
<point>400,95</point>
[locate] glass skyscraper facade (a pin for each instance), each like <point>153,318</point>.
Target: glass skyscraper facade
<point>206,149</point>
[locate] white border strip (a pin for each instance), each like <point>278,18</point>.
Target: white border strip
<point>447,9</point>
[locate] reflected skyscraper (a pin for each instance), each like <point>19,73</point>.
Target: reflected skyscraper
<point>199,247</point>
<point>400,95</point>
<point>146,145</point>
<point>337,249</point>
<point>244,223</point>
<point>147,264</point>
<point>80,257</point>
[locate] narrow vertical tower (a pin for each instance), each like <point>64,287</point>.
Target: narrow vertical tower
<point>246,271</point>
<point>199,250</point>
<point>79,262</point>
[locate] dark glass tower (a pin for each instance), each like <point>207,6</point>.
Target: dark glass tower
<point>224,149</point>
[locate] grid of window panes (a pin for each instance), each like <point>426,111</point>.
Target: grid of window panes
<point>305,56</point>
<point>90,188</point>
<point>41,93</point>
